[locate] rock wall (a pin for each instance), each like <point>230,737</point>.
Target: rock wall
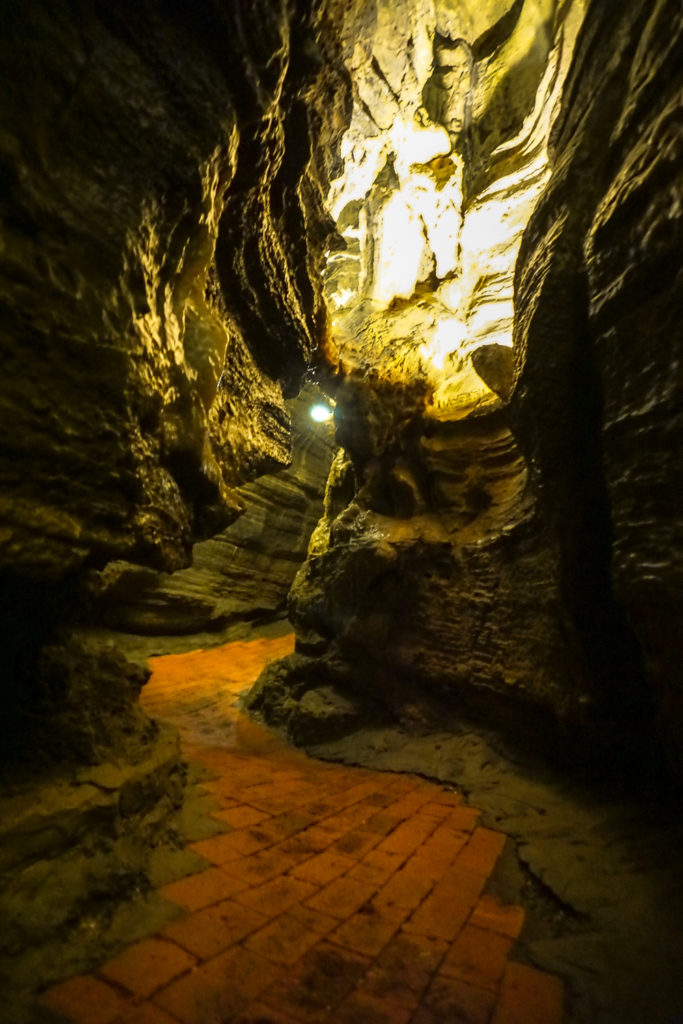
<point>512,549</point>
<point>163,231</point>
<point>597,404</point>
<point>243,574</point>
<point>163,167</point>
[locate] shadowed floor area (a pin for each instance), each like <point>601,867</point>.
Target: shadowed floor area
<point>329,893</point>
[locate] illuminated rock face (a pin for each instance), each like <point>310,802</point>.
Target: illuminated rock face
<point>160,198</point>
<point>162,239</point>
<point>501,526</point>
<point>430,577</point>
<point>491,540</point>
<point>444,160</point>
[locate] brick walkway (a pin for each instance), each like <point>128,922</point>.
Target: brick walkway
<point>336,894</point>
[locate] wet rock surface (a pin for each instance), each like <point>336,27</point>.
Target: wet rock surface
<point>111,278</point>
<point>580,343</point>
<point>500,536</point>
<point>75,849</point>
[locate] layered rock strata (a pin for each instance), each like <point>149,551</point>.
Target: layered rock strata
<point>163,229</point>
<point>244,573</point>
<point>163,232</point>
<point>597,404</point>
<point>503,534</point>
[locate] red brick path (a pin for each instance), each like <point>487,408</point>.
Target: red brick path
<point>338,894</point>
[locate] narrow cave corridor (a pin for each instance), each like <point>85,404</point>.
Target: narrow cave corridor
<point>325,890</point>
<point>340,550</point>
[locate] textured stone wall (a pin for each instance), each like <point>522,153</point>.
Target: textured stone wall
<point>163,166</point>
<point>163,232</point>
<point>518,556</point>
<point>597,404</point>
<point>244,573</point>
<point>504,526</point>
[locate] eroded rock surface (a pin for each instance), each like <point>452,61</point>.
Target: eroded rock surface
<point>503,532</point>
<point>597,403</point>
<point>244,573</point>
<point>163,230</point>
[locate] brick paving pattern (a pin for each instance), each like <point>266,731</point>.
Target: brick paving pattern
<point>335,895</point>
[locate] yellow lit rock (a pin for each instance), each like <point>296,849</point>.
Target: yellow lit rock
<point>444,161</point>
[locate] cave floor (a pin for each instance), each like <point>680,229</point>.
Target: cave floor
<point>324,892</point>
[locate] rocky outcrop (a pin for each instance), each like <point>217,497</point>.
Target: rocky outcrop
<point>74,846</point>
<point>113,231</point>
<point>635,293</point>
<point>163,231</point>
<point>244,573</point>
<point>508,546</point>
<point>429,583</point>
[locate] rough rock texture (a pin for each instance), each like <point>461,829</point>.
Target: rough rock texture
<point>597,404</point>
<point>159,278</point>
<point>431,583</point>
<point>112,232</point>
<point>518,555</point>
<point>245,572</point>
<point>445,157</point>
<point>163,167</point>
<point>73,846</point>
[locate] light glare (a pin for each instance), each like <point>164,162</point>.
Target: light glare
<point>320,413</point>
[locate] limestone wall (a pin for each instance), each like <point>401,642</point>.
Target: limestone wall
<point>507,537</point>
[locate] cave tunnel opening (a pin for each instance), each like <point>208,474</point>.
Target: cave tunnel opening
<point>339,519</point>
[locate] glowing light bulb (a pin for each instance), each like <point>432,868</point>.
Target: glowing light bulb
<point>320,413</point>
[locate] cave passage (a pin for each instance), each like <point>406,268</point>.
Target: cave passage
<point>323,889</point>
<point>340,533</point>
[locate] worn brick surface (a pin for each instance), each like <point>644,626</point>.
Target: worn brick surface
<point>450,903</point>
<point>292,934</point>
<point>406,889</point>
<point>278,895</point>
<point>529,997</point>
<point>86,1000</point>
<point>482,851</point>
<point>478,957</point>
<point>201,890</point>
<point>361,1006</point>
<point>240,816</point>
<point>222,849</point>
<point>369,930</point>
<point>495,916</point>
<point>324,868</point>
<point>453,1000</point>
<point>335,895</point>
<point>147,966</point>
<point>218,990</point>
<point>355,843</point>
<point>147,1013</point>
<point>323,978</point>
<point>342,897</point>
<point>259,1013</point>
<point>209,931</point>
